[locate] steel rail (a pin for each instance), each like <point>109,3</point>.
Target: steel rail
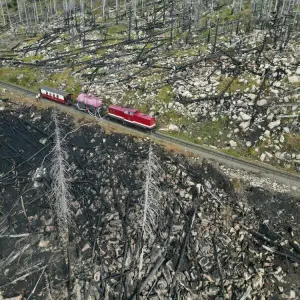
<point>258,168</point>
<point>226,159</point>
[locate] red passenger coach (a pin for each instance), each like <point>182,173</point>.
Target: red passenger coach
<point>56,95</point>
<point>131,116</point>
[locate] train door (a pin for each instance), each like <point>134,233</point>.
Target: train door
<point>68,99</point>
<point>128,115</point>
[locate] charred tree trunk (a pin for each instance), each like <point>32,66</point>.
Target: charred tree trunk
<point>216,36</point>
<point>172,22</point>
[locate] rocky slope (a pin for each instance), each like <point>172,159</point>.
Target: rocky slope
<point>213,238</point>
<point>235,87</point>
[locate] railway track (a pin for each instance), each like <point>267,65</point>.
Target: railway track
<point>258,168</point>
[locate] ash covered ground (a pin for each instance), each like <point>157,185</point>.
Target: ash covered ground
<point>210,239</point>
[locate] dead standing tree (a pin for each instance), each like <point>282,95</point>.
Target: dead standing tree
<point>151,207</point>
<point>61,196</point>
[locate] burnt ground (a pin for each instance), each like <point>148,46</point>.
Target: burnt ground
<point>209,241</point>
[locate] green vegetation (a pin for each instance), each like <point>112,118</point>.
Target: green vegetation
<point>26,77</point>
<point>101,52</point>
<point>31,59</point>
<point>237,184</point>
<point>236,85</point>
<point>149,46</point>
<point>166,94</point>
<point>252,152</point>
<point>117,29</point>
<point>292,142</point>
<point>232,152</point>
<point>213,132</point>
<point>184,52</point>
<point>30,78</point>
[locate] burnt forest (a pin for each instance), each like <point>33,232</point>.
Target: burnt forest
<point>91,210</point>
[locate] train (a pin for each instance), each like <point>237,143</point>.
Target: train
<point>95,106</point>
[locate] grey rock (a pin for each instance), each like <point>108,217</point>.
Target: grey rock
<point>245,125</point>
<point>293,79</point>
<point>274,124</point>
<point>213,290</point>
<point>262,157</point>
<point>170,266</point>
<point>205,264</point>
<point>262,102</point>
<point>244,116</point>
<point>232,143</point>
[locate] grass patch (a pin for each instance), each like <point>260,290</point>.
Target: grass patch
<point>166,94</point>
<point>117,29</point>
<point>232,152</point>
<point>26,77</point>
<point>101,52</point>
<point>252,152</point>
<point>236,85</point>
<point>36,38</point>
<point>185,52</point>
<point>149,46</point>
<point>33,58</point>
<point>210,131</point>
<point>292,142</point>
<point>30,78</point>
<point>237,184</point>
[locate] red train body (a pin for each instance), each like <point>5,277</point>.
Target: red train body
<point>56,95</point>
<point>132,116</point>
<point>94,105</point>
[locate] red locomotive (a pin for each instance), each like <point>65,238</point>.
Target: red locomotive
<point>132,116</point>
<point>95,106</point>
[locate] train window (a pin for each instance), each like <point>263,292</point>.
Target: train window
<point>46,93</point>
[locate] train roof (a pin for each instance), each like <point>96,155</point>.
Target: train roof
<point>121,108</point>
<point>144,116</point>
<point>133,110</point>
<point>89,100</point>
<point>54,91</point>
